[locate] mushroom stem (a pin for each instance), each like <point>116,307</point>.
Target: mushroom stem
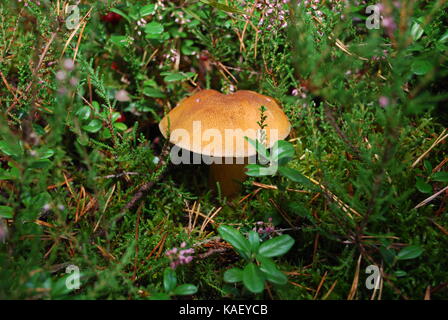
<point>229,176</point>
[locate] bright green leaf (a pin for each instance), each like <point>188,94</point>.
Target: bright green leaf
<point>11,148</point>
<point>233,275</point>
<point>253,278</point>
<point>179,76</point>
<point>261,149</point>
<point>93,126</point>
<point>282,152</point>
<point>254,241</point>
<point>120,126</point>
<point>271,272</point>
<point>169,279</point>
<point>153,93</point>
<point>416,31</point>
<point>294,175</point>
<point>185,289</point>
<point>440,176</point>
<point>421,67</point>
<point>147,10</point>
<point>154,28</point>
<point>422,186</point>
<point>276,246</point>
<point>255,170</point>
<point>236,239</point>
<point>84,112</point>
<point>6,212</point>
<point>410,252</point>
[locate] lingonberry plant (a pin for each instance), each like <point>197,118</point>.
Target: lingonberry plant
<point>87,185</point>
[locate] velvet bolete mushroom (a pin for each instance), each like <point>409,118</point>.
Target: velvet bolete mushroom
<point>213,126</point>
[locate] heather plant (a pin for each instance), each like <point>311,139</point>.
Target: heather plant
<point>88,191</point>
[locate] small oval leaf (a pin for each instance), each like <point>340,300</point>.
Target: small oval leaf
<point>276,246</point>
<point>253,278</point>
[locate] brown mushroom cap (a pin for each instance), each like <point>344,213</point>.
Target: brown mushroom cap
<point>238,111</point>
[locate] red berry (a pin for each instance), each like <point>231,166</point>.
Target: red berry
<point>111,17</point>
<point>114,66</point>
<point>122,118</point>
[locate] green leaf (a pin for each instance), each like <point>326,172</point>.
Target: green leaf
<point>254,241</point>
<point>154,28</point>
<point>261,149</point>
<point>400,273</point>
<point>120,126</point>
<point>185,289</point>
<point>255,170</point>
<point>45,153</point>
<point>6,212</point>
<point>421,67</point>
<point>40,164</point>
<point>294,175</point>
<point>93,126</point>
<point>416,31</point>
<point>153,93</point>
<point>119,40</point>
<point>276,246</point>
<point>440,176</point>
<point>178,76</point>
<point>282,152</point>
<point>96,106</point>
<point>236,239</point>
<point>253,278</point>
<point>410,252</point>
<point>427,166</point>
<point>422,186</point>
<point>115,116</point>
<point>169,279</point>
<point>271,272</point>
<point>233,275</point>
<point>188,47</point>
<point>11,148</point>
<point>444,37</point>
<point>84,113</point>
<point>147,10</point>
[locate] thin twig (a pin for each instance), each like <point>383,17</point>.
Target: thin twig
<point>439,139</point>
<point>427,200</point>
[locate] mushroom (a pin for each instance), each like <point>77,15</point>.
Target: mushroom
<point>213,126</point>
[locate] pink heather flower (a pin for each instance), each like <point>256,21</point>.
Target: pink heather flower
<point>122,95</point>
<point>73,81</point>
<point>265,228</point>
<point>178,257</point>
<point>68,64</point>
<point>389,24</point>
<point>61,75</point>
<point>383,101</point>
